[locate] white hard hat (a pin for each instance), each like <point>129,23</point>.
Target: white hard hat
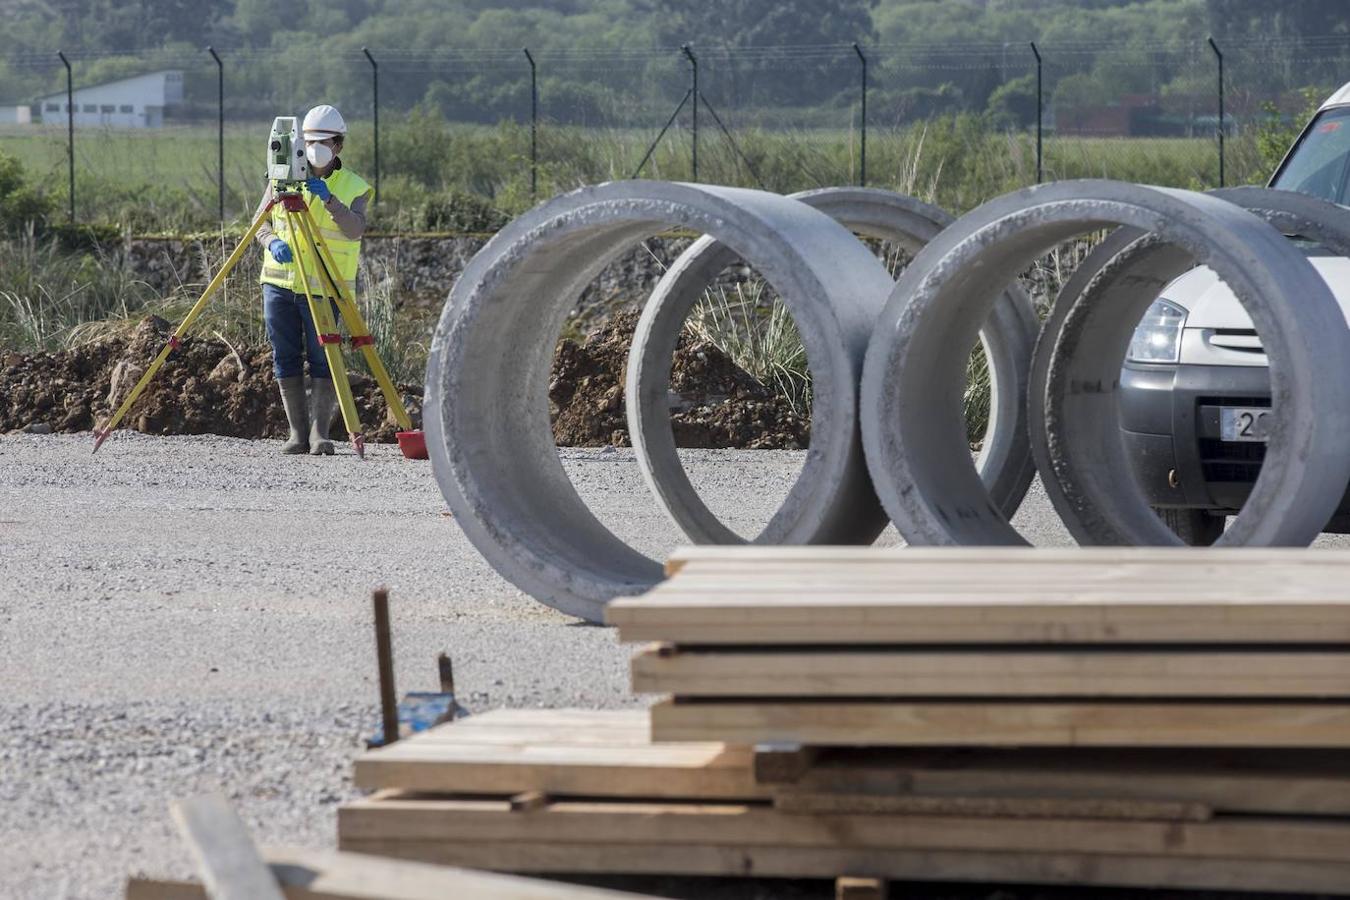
<point>323,121</point>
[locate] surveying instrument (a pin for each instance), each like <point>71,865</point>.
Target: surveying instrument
<point>287,170</point>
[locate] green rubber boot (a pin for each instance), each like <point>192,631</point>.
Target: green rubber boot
<point>297,414</point>
<point>324,400</point>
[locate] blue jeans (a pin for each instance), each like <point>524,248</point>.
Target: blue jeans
<point>290,328</point>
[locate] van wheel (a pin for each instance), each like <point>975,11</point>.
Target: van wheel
<point>1195,527</point>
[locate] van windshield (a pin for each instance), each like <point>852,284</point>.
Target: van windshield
<point>1318,164</point>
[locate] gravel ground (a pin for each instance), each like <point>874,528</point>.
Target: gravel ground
<point>192,613</point>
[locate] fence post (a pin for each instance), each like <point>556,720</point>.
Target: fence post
<point>70,130</point>
<point>862,118</point>
<point>1219,53</point>
<point>1040,158</point>
<point>220,129</point>
<point>693,62</point>
<point>534,126</point>
<point>375,107</point>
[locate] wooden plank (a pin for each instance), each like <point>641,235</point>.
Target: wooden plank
<point>749,825</point>
<point>985,672</point>
<point>1029,618</point>
<point>1327,582</point>
<point>325,875</point>
<point>1096,870</point>
<point>805,802</point>
<point>560,752</point>
<point>229,863</point>
<point>1009,723</point>
<point>762,556</point>
<point>1292,782</point>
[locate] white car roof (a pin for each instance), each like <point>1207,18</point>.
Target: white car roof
<point>1340,98</point>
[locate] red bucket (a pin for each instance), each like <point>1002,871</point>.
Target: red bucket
<point>413,444</point>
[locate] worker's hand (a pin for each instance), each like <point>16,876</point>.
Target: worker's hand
<point>280,251</point>
<point>319,189</point>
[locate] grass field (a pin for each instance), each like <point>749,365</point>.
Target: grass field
<point>166,180</point>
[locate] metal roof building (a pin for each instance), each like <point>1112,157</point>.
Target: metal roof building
<point>137,102</point>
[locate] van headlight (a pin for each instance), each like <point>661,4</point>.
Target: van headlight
<point>1157,339</point>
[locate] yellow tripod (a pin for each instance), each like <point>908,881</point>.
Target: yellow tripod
<point>302,225</point>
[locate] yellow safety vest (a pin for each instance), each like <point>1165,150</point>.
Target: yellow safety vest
<point>346,186</point>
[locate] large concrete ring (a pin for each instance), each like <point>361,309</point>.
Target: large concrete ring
<point>487,414</point>
<point>1004,463</point>
<point>1125,267</point>
<point>912,376</point>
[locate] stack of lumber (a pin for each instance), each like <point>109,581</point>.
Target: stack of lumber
<point>1152,718</point>
<point>1122,647</point>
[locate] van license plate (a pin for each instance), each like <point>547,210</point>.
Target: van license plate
<point>1238,423</point>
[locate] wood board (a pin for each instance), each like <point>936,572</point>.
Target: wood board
<point>762,557</point>
<point>566,751</point>
<point>1011,723</point>
<point>734,616</point>
<point>920,865</point>
<point>1092,671</point>
<point>619,822</point>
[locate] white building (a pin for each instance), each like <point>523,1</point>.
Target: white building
<point>16,115</point>
<point>137,102</point>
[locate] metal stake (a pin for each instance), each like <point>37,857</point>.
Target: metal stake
<point>862,169</point>
<point>1219,53</point>
<point>384,652</point>
<point>375,107</point>
<point>693,92</point>
<point>70,130</point>
<point>534,126</point>
<point>220,129</point>
<point>1040,160</point>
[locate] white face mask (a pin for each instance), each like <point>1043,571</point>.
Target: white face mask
<point>318,155</point>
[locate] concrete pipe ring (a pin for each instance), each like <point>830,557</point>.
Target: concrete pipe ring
<point>487,414</point>
<point>1129,268</point>
<point>912,377</point>
<point>1005,460</point>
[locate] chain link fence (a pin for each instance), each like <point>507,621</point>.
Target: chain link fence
<point>510,126</point>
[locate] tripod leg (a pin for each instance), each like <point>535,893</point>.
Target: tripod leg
<point>330,340</point>
<point>356,325</point>
<point>101,434</point>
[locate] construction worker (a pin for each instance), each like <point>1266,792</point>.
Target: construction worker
<point>337,199</point>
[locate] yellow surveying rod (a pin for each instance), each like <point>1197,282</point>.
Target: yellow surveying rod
<point>175,339</point>
<point>356,325</point>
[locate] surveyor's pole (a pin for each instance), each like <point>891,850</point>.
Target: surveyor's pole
<point>693,92</point>
<point>375,107</point>
<point>220,129</point>
<point>70,130</point>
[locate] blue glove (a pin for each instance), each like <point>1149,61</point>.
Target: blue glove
<point>319,189</point>
<point>279,250</point>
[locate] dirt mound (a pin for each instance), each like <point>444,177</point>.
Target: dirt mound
<point>205,387</point>
<point>209,387</point>
<point>717,404</point>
